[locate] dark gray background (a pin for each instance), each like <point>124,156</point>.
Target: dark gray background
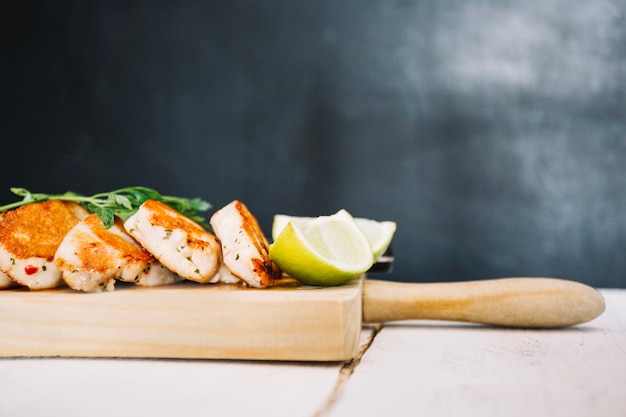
<point>492,132</point>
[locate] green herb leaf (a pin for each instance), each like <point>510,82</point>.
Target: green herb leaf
<point>121,203</point>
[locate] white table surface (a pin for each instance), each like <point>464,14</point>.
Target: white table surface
<point>406,369</point>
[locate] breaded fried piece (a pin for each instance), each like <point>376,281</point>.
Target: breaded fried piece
<point>179,243</point>
<point>245,248</point>
<point>29,238</point>
<point>91,257</point>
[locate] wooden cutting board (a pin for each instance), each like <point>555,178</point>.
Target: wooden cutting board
<point>286,322</point>
<point>185,320</point>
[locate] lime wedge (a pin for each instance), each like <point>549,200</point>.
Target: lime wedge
<point>325,250</point>
<point>378,233</point>
<point>281,220</point>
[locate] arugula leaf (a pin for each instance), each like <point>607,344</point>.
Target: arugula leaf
<point>122,203</point>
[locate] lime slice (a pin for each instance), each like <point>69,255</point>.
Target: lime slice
<point>325,250</point>
<point>281,220</point>
<point>379,234</point>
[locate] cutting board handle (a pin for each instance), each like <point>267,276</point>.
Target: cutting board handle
<point>510,302</point>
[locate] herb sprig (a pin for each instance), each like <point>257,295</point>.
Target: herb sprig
<point>122,203</point>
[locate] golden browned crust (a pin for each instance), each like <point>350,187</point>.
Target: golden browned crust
<point>263,266</point>
<point>162,215</point>
<point>95,255</point>
<point>267,270</point>
<point>37,229</point>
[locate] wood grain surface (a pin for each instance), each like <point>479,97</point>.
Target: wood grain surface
<point>185,320</point>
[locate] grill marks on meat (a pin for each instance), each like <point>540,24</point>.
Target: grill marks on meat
<point>29,238</point>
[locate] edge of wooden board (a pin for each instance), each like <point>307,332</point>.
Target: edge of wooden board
<point>185,320</point>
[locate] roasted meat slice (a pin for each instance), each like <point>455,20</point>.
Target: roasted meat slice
<point>245,248</point>
<point>179,243</point>
<point>30,236</point>
<point>91,257</point>
<point>5,281</point>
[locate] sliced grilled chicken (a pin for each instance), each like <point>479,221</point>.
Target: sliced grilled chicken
<point>245,248</point>
<point>5,281</point>
<point>154,274</point>
<point>179,243</point>
<point>30,236</point>
<point>224,276</point>
<point>91,257</point>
